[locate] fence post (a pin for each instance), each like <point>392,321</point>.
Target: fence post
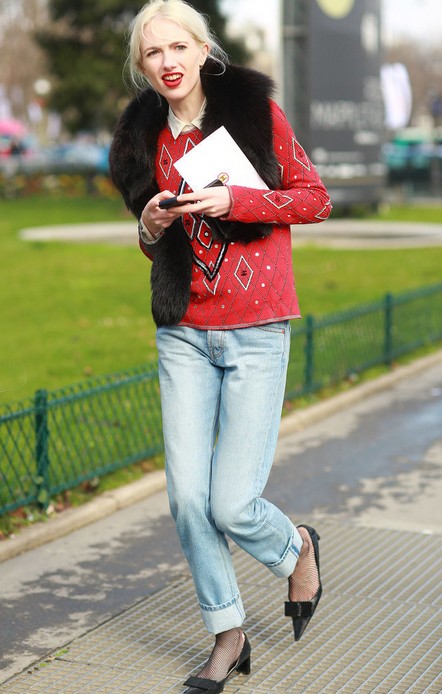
<point>388,329</point>
<point>41,446</point>
<point>309,353</point>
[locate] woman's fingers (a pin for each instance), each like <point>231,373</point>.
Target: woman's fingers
<point>215,202</point>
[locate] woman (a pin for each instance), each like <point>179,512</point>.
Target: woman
<point>222,297</point>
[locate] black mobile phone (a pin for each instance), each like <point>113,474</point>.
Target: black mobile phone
<point>170,202</point>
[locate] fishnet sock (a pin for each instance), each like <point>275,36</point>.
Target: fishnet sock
<point>227,649</point>
<point>304,581</point>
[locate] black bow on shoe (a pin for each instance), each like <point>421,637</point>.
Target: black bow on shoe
<point>301,612</point>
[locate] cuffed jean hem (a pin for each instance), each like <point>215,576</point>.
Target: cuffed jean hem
<point>286,565</point>
<point>221,618</point>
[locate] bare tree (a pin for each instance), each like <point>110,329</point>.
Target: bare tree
<point>424,65</point>
<point>22,61</point>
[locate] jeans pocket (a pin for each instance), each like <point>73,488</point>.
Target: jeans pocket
<point>275,327</point>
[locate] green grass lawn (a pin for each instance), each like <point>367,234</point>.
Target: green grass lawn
<point>71,310</point>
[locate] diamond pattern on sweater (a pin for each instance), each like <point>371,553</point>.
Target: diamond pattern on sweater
<point>213,286</point>
<point>192,225</point>
<point>258,290</point>
<point>209,260</point>
<point>166,162</point>
<point>243,273</point>
<point>204,235</point>
<point>299,181</point>
<point>300,155</point>
<point>324,213</point>
<point>236,284</point>
<point>277,199</point>
<point>190,144</point>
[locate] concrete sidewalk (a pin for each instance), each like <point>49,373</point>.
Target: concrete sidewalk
<point>377,629</point>
<point>334,233</point>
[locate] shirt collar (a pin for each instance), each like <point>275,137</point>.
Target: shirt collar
<point>177,126</point>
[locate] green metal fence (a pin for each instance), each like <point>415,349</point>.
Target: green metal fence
<point>330,349</point>
<point>61,438</point>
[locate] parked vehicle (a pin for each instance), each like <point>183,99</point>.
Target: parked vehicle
<point>413,155</point>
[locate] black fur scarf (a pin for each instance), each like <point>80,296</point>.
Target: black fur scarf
<point>237,99</point>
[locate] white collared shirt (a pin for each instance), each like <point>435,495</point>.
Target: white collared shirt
<point>177,126</point>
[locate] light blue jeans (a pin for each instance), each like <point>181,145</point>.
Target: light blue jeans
<point>222,393</point>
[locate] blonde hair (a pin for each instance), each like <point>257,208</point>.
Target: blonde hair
<point>180,12</point>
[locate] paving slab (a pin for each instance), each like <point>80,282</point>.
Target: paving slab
<point>377,629</point>
<point>369,467</point>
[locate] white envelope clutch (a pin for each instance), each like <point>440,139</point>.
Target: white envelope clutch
<point>218,156</point>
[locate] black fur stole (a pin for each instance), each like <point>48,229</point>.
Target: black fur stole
<point>237,99</point>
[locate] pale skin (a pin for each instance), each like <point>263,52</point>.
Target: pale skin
<point>171,59</point>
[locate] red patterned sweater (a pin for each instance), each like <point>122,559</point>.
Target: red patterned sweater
<point>234,284</point>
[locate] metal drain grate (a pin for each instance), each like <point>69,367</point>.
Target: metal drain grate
<point>377,629</point>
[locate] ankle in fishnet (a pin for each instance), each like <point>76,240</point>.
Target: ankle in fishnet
<point>227,649</point>
<point>304,581</point>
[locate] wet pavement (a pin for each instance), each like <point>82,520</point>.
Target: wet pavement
<point>114,604</point>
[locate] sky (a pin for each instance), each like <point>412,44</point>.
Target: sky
<point>418,19</point>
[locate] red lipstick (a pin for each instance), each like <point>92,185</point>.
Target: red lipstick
<point>172,80</point>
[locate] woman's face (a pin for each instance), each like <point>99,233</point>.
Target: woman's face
<point>171,61</point>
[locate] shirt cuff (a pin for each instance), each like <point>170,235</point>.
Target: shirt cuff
<point>142,231</point>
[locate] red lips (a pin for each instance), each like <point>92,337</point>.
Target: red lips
<point>172,80</point>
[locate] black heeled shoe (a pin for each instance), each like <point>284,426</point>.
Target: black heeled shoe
<point>200,684</point>
<point>301,612</point>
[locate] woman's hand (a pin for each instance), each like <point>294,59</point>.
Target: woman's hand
<point>154,219</point>
<point>214,202</point>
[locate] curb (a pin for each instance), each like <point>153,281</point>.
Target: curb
<point>312,414</point>
<point>109,502</point>
<point>76,518</point>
